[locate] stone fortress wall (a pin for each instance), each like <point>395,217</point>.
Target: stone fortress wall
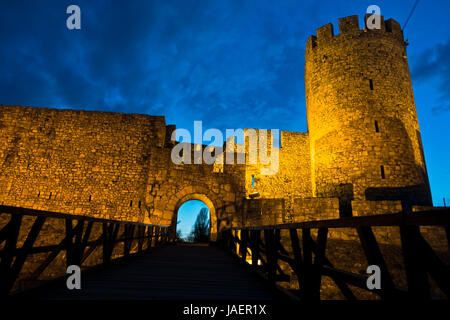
<point>107,165</point>
<point>362,153</point>
<point>79,162</point>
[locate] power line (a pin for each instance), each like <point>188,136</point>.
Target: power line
<point>410,14</point>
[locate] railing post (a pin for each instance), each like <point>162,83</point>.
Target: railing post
<point>169,234</point>
<point>109,237</point>
<point>150,231</point>
<point>157,236</point>
<point>374,257</point>
<point>418,287</point>
<point>255,241</point>
<point>244,236</point>
<point>319,260</point>
<point>307,292</point>
<point>105,242</point>
<point>233,241</point>
<point>74,250</point>
<point>84,242</point>
<point>69,241</point>
<point>126,240</point>
<point>270,254</point>
<point>75,254</point>
<point>298,260</point>
<point>166,236</point>
<point>141,233</point>
<point>227,239</point>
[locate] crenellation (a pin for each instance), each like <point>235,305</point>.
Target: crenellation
<point>349,25</point>
<point>170,128</point>
<point>395,28</point>
<point>325,33</point>
<point>349,28</point>
<point>311,43</point>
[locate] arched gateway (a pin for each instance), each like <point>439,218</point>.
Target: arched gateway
<point>197,193</point>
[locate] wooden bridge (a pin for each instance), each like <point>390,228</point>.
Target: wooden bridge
<point>182,272</point>
<point>126,260</point>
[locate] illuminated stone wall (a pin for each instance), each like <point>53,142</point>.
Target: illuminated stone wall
<point>77,162</point>
<point>294,174</point>
<point>107,165</point>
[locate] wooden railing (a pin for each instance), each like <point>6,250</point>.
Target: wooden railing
<point>263,248</point>
<point>47,241</point>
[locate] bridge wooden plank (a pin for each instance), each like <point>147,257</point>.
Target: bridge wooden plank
<point>184,272</point>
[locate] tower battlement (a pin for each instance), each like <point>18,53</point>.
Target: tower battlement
<point>349,27</point>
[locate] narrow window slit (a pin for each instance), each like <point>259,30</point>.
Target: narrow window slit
<point>253,181</point>
<point>377,129</point>
<point>371,84</point>
<point>131,203</point>
<point>383,176</point>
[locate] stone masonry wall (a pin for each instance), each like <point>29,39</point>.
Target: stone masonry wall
<point>293,178</point>
<point>78,162</point>
<point>294,175</point>
<point>107,165</point>
<point>309,209</point>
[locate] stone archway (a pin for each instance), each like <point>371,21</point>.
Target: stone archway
<point>196,193</point>
<point>208,203</point>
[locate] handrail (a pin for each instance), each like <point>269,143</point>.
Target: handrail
<point>439,216</point>
<point>264,249</point>
<point>36,212</point>
<point>79,237</point>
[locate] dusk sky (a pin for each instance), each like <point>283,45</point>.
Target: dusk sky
<point>231,64</point>
<point>187,214</point>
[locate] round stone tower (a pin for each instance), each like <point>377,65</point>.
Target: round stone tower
<point>364,132</point>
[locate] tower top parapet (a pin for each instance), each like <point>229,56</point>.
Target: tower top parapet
<point>349,27</point>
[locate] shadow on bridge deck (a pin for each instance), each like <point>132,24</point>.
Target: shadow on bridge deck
<point>182,272</point>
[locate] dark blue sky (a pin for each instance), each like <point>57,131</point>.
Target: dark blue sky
<point>229,63</point>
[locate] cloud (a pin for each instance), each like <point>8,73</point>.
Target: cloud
<point>440,108</point>
<point>229,63</point>
<point>433,66</point>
